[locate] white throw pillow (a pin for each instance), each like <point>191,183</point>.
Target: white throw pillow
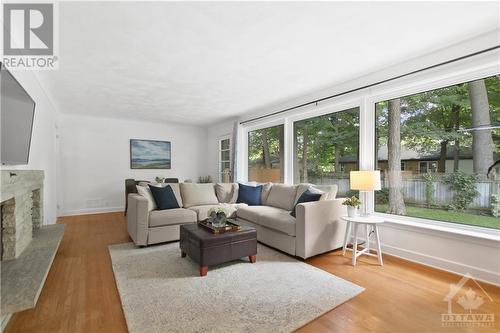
<point>266,189</point>
<point>227,192</point>
<point>177,191</point>
<point>146,193</point>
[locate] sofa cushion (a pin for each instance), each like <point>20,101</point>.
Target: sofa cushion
<point>251,195</point>
<point>164,197</point>
<point>250,213</point>
<point>158,218</point>
<point>146,193</point>
<point>282,196</point>
<point>330,191</point>
<point>280,220</point>
<point>198,194</point>
<point>227,192</point>
<point>270,217</point>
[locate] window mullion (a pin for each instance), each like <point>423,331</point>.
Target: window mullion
<point>367,142</point>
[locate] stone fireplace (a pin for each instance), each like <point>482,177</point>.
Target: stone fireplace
<point>28,246</point>
<point>21,203</point>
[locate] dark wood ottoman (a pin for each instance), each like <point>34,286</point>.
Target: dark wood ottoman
<point>208,249</point>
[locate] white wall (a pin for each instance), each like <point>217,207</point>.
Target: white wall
<point>95,159</point>
<point>43,150</point>
<point>215,132</point>
<point>450,251</point>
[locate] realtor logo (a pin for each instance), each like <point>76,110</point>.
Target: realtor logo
<point>29,36</point>
<point>470,300</point>
<point>33,26</point>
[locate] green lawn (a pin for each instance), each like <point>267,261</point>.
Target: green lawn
<point>448,216</point>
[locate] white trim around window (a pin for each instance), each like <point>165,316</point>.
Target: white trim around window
<point>243,143</point>
<point>442,226</point>
<point>341,105</point>
<point>219,159</point>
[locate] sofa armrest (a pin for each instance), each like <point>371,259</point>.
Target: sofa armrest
<point>319,227</point>
<point>138,219</point>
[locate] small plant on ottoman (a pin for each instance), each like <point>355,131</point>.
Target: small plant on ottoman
<point>218,216</point>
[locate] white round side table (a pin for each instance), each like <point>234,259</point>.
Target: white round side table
<point>370,222</point>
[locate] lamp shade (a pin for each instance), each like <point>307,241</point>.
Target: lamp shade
<point>365,180</point>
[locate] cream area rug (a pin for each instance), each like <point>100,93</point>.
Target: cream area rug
<point>162,292</point>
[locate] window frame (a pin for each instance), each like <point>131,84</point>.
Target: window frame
<point>420,166</point>
<point>441,78</point>
<point>219,158</point>
<point>243,144</point>
<point>257,126</point>
<point>313,114</point>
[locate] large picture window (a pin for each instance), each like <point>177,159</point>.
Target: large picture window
<point>326,149</point>
<point>448,141</point>
<point>265,154</point>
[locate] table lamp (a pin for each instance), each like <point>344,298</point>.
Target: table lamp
<point>364,182</point>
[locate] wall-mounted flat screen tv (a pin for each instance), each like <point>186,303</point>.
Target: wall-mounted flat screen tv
<point>17,110</point>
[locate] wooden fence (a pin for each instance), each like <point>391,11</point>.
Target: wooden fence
<point>263,175</point>
<point>414,191</point>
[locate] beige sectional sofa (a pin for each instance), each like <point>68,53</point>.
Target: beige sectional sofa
<point>317,227</point>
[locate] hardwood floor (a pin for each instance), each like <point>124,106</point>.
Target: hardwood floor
<point>80,293</point>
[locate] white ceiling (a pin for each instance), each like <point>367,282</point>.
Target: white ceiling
<point>199,63</point>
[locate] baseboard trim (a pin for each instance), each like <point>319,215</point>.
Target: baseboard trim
<point>88,211</point>
<point>479,274</point>
<point>443,264</point>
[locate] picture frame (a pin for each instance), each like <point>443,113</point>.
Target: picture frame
<point>150,154</point>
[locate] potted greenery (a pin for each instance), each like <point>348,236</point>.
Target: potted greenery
<point>218,216</point>
<point>352,204</point>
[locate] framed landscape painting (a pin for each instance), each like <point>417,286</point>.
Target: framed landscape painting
<point>149,154</point>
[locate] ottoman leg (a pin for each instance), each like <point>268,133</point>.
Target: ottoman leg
<point>253,258</point>
<point>183,254</point>
<point>203,270</point>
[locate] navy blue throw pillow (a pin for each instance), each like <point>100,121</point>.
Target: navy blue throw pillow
<point>307,196</point>
<point>164,197</point>
<point>249,194</point>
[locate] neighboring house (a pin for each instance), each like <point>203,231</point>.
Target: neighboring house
<point>413,161</point>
